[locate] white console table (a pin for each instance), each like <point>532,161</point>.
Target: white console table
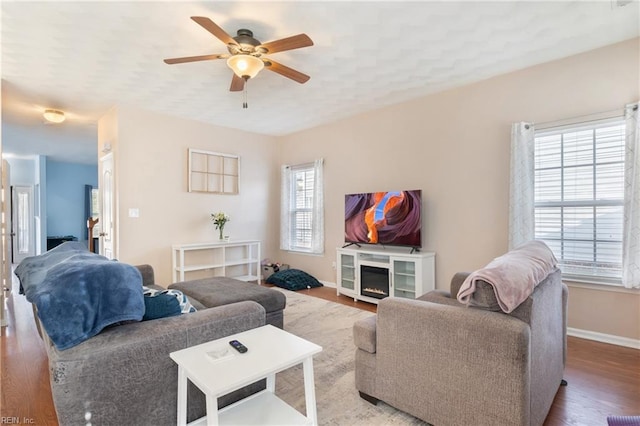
<point>233,259</point>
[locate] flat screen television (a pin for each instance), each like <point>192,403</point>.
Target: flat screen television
<point>387,218</point>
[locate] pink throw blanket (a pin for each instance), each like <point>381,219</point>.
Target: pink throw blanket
<point>513,275</point>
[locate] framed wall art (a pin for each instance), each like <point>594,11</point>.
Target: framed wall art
<point>213,172</point>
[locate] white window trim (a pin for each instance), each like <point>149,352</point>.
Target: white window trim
<point>317,210</point>
<point>599,287</point>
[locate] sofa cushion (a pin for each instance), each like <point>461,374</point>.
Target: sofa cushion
<point>220,291</point>
<point>293,279</point>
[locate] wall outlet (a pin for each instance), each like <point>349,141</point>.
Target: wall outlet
<point>333,265</point>
<point>134,212</point>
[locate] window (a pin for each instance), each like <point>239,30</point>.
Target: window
<point>301,208</point>
<point>302,227</point>
<point>579,197</point>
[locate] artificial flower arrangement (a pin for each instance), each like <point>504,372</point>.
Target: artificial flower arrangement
<point>219,220</point>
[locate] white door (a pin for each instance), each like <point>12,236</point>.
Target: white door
<point>22,223</point>
<point>5,214</point>
<point>106,207</point>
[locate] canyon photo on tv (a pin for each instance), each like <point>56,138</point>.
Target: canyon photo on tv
<point>386,218</point>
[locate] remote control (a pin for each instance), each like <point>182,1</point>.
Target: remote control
<point>238,346</point>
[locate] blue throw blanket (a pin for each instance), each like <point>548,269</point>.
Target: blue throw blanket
<point>78,293</point>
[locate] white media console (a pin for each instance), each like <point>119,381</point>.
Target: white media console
<point>370,274</point>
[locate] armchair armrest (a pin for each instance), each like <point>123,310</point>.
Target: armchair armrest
<point>456,283</point>
<point>364,334</point>
<point>469,357</point>
<point>441,297</point>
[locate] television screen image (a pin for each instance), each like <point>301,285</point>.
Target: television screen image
<point>388,218</point>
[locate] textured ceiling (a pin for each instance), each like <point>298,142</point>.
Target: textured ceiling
<point>86,57</point>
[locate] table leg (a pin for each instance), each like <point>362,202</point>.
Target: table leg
<point>182,397</point>
<point>271,383</point>
<point>212,410</point>
<point>310,390</point>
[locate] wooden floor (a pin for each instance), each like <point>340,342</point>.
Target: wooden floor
<point>603,379</point>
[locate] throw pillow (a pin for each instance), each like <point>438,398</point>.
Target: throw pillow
<point>160,305</point>
<point>165,303</point>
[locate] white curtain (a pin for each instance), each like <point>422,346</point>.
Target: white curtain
<point>631,225</point>
<point>317,241</point>
<point>521,189</point>
<point>317,238</point>
<point>285,204</point>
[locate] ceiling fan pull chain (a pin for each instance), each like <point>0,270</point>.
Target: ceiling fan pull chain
<point>245,104</point>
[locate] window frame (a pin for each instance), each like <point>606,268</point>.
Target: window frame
<point>594,203</point>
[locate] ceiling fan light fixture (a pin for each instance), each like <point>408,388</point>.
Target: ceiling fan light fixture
<point>54,116</point>
<point>245,66</point>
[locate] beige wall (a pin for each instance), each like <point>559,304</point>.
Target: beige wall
<point>151,169</point>
<point>455,147</point>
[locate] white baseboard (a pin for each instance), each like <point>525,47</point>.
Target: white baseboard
<point>604,338</point>
<point>328,284</point>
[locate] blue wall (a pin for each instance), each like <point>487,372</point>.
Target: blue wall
<point>22,171</point>
<point>65,197</point>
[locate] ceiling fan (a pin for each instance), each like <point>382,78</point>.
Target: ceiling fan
<point>245,55</point>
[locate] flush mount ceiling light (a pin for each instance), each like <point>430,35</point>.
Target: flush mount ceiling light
<point>245,66</point>
<point>54,116</point>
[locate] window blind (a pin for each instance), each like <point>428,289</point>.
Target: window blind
<point>579,196</point>
<point>302,208</point>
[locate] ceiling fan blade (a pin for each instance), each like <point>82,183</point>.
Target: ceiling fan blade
<point>237,84</point>
<point>289,43</point>
<point>286,71</point>
<point>172,61</point>
<point>214,29</point>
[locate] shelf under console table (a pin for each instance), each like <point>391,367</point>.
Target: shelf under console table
<point>371,275</point>
<point>233,259</point>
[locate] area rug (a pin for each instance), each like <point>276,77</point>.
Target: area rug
<point>330,325</point>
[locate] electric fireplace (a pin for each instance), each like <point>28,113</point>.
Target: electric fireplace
<point>374,281</point>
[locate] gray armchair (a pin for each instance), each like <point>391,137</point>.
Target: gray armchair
<point>449,364</point>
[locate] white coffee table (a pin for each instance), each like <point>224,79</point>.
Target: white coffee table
<point>217,371</point>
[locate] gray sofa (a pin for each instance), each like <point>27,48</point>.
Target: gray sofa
<point>124,375</point>
<point>449,364</point>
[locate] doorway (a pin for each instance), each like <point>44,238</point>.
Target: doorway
<point>22,223</point>
<point>106,185</point>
